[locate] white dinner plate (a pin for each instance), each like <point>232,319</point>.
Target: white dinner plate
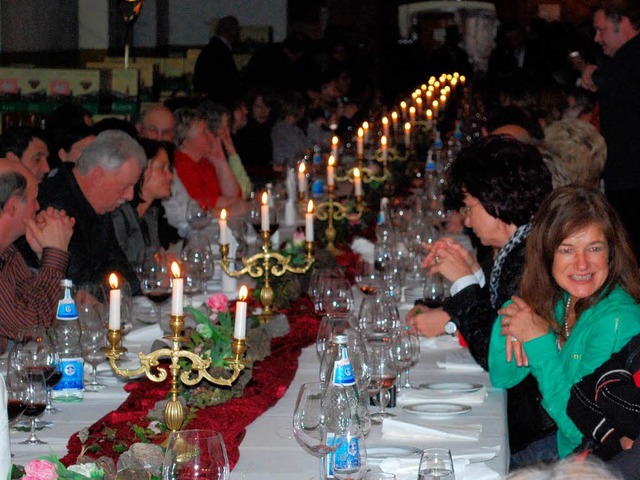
<point>377,453</point>
<point>451,387</point>
<point>437,409</point>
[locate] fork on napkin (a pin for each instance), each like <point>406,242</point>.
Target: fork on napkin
<point>408,397</point>
<point>399,429</point>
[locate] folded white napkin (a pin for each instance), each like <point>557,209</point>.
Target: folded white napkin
<point>364,247</point>
<point>441,342</point>
<point>409,396</point>
<point>460,361</point>
<point>5,445</point>
<point>467,466</point>
<point>399,429</point>
<point>143,335</point>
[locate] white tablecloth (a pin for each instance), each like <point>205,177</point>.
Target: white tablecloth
<point>269,450</point>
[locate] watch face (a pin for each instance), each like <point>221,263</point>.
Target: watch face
<point>450,328</point>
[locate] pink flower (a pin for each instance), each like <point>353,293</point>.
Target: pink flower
<point>218,302</point>
<point>298,238</point>
<point>41,470</point>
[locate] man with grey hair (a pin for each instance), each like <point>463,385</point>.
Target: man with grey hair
<point>28,298</point>
<point>157,123</point>
<point>102,179</point>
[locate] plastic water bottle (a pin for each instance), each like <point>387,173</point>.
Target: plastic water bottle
<point>67,331</point>
<point>341,373</point>
<point>317,173</point>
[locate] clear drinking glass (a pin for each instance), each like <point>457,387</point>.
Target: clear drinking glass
<point>195,454</point>
<point>436,464</point>
<point>407,347</point>
<point>156,280</point>
<point>337,297</point>
<point>93,340</point>
<point>384,372</point>
<point>197,217</point>
<point>36,400</point>
<point>17,389</point>
<point>367,277</point>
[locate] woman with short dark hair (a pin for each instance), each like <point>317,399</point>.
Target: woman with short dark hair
<point>577,305</point>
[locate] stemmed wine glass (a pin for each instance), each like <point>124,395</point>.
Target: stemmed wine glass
<point>40,353</point>
<point>36,400</point>
<point>433,291</point>
<point>379,318</point>
<point>384,372</point>
<point>407,347</point>
<point>156,280</point>
<point>197,259</point>
<point>337,298</point>
<point>93,340</point>
<point>17,384</point>
<point>318,417</point>
<point>197,217</point>
<point>195,454</point>
<point>367,277</point>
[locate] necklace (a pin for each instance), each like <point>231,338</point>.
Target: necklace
<point>566,319</point>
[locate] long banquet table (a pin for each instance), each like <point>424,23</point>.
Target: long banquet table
<point>268,450</point>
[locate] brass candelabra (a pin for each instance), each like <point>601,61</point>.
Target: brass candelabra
<point>265,264</point>
<point>174,411</point>
<point>331,211</point>
<point>392,156</point>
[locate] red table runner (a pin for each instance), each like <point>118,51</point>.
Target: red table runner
<point>270,380</point>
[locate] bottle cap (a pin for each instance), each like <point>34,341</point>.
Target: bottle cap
<point>66,282</point>
<point>340,339</point>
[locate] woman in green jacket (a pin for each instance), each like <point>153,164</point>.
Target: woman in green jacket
<point>578,303</point>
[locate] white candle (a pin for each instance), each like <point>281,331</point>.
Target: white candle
<point>308,222</point>
<point>385,126</point>
<point>419,105</point>
<point>334,146</point>
<point>383,146</point>
<point>429,119</point>
<point>357,182</point>
<point>365,127</point>
<point>331,171</point>
<point>177,291</point>
<point>114,303</point>
<point>224,230</point>
<point>360,143</point>
<point>434,107</point>
<point>302,178</point>
<point>264,213</point>
<point>394,122</point>
<point>412,115</point>
<point>407,133</point>
<point>403,109</point>
<point>240,327</point>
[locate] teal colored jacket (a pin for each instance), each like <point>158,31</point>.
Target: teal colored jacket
<point>599,332</point>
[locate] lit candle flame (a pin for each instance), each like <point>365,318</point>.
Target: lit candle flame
<point>383,140</point>
<point>332,160</point>
<point>432,80</point>
<point>175,270</point>
<point>223,214</point>
<point>403,105</point>
<point>423,87</point>
<point>429,114</point>
<point>412,110</point>
<point>356,173</point>
<point>302,167</point>
<point>265,198</point>
<point>394,115</point>
<point>360,133</point>
<point>310,206</point>
<point>407,127</point>
<point>113,281</point>
<point>385,120</point>
<point>334,140</point>
<point>365,125</point>
<point>435,104</point>
<point>243,293</point>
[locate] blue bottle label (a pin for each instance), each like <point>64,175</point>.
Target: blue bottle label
<point>347,455</point>
<point>317,187</point>
<point>67,310</point>
<point>343,373</point>
<point>72,374</point>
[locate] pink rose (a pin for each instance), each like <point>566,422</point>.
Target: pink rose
<point>218,302</point>
<point>298,238</point>
<point>41,470</point>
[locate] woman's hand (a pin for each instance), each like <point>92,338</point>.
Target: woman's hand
<point>429,322</point>
<point>450,259</point>
<point>520,324</point>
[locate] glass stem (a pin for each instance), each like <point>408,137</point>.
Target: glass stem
<point>384,399</point>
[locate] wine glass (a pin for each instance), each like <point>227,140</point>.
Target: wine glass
<point>198,262</point>
<point>40,353</point>
<point>318,416</point>
<point>156,280</point>
<point>379,318</point>
<point>197,217</point>
<point>36,400</point>
<point>436,464</point>
<point>337,297</point>
<point>93,340</point>
<point>16,384</point>
<point>433,291</point>
<point>195,454</point>
<point>367,277</point>
<point>349,460</point>
<point>407,347</point>
<point>383,373</point>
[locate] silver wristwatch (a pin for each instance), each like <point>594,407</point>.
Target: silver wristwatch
<point>450,328</point>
